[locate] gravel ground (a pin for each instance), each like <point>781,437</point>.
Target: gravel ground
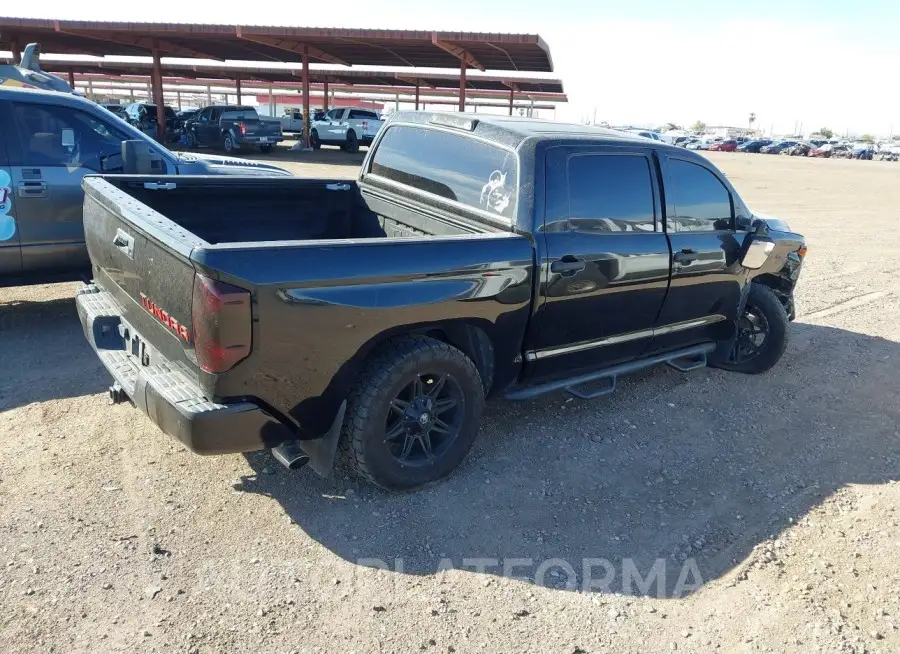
<point>706,512</point>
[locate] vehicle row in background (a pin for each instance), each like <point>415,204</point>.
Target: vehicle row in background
<point>52,140</point>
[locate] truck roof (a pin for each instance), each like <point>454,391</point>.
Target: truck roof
<point>513,130</point>
<point>50,97</point>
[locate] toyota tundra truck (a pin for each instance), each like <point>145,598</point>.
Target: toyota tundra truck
<point>472,258</point>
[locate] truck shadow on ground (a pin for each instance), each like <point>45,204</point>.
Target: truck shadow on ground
<point>672,469</point>
<point>44,354</point>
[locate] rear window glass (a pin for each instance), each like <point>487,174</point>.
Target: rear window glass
<point>240,114</point>
<point>363,115</point>
<point>455,167</point>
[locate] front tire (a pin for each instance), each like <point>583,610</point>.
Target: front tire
<point>762,334</point>
<point>314,141</point>
<point>413,414</point>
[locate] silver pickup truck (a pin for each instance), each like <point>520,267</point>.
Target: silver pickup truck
<point>48,142</point>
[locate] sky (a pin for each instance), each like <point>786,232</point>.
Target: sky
<point>825,63</point>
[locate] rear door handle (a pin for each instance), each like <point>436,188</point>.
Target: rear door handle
<point>568,265</point>
<point>32,189</point>
<point>686,256</point>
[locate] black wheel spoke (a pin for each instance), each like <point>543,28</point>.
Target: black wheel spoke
<point>407,447</point>
<point>418,387</point>
<point>394,432</point>
<point>441,427</point>
<point>426,444</point>
<point>442,406</point>
<point>398,406</point>
<point>436,386</point>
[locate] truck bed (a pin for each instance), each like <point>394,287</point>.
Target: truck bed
<point>230,211</point>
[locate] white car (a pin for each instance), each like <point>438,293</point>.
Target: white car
<point>348,127</point>
<point>646,133</point>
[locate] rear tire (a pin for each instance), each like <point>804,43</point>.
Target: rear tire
<point>265,149</point>
<point>765,316</point>
<point>352,142</point>
<point>228,144</point>
<point>413,414</point>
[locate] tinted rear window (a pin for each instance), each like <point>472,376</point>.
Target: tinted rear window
<point>363,115</point>
<point>240,114</point>
<point>611,193</point>
<point>456,167</point>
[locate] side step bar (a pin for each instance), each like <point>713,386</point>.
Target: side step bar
<point>683,360</point>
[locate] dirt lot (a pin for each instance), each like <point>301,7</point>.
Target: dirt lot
<point>766,506</point>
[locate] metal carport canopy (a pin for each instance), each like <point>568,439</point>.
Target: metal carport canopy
<point>408,80</point>
<point>348,47</point>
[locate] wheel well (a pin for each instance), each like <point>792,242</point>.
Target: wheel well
<point>780,287</point>
<point>474,343</point>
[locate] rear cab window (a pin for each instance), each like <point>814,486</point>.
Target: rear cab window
<point>610,193</point>
<point>437,164</point>
<point>359,114</point>
<point>240,114</point>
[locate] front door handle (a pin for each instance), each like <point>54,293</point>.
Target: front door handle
<point>32,189</point>
<point>686,256</point>
<point>567,266</point>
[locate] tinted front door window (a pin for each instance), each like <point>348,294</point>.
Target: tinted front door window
<point>702,203</point>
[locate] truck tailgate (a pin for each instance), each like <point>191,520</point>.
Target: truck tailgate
<point>263,127</point>
<point>142,260</point>
<point>370,128</point>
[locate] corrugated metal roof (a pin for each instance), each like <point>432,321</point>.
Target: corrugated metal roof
<point>420,49</point>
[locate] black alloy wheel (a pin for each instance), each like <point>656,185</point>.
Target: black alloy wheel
<point>752,331</point>
<point>761,335</point>
<point>425,419</point>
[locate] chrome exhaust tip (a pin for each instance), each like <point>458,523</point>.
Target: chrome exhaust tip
<point>290,455</point>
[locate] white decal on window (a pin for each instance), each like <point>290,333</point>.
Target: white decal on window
<point>7,222</point>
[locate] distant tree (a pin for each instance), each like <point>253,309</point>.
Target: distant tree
<point>827,133</point>
<point>751,119</point>
<point>699,126</point>
<point>866,138</point>
<point>665,127</point>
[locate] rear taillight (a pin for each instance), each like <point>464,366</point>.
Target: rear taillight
<point>243,128</point>
<point>221,317</point>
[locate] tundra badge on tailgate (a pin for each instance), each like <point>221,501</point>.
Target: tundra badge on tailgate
<point>163,316</point>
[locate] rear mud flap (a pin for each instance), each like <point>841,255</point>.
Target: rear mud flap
<point>321,451</point>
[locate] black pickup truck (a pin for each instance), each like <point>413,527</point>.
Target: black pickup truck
<point>474,257</point>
